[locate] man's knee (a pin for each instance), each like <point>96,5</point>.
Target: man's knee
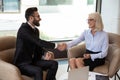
<point>38,71</point>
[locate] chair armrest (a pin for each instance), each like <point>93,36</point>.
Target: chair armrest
<point>9,71</point>
<point>114,63</point>
<point>76,51</point>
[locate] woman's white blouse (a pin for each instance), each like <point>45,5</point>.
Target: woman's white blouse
<point>97,42</point>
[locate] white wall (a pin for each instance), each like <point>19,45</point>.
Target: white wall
<point>111,15</point>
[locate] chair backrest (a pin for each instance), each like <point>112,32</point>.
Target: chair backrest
<point>113,53</point>
<point>7,48</point>
<point>114,43</point>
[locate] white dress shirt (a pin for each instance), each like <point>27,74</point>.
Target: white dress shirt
<point>97,42</point>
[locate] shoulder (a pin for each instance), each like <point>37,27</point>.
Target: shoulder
<point>104,34</point>
<point>86,31</point>
<point>24,28</point>
<point>24,24</point>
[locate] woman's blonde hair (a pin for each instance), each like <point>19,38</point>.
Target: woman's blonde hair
<point>97,17</point>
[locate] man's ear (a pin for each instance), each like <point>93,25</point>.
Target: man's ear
<point>31,18</point>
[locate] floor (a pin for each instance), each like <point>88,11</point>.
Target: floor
<point>62,68</point>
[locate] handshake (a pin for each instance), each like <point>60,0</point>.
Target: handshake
<point>50,55</point>
<point>61,46</point>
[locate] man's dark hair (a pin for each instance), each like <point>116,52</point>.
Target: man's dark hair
<point>29,12</point>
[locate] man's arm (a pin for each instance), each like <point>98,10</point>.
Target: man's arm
<point>34,39</point>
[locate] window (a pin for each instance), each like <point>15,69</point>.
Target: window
<point>64,19</point>
<point>9,5</point>
<point>0,5</point>
<point>90,2</point>
<point>55,2</point>
<point>61,19</point>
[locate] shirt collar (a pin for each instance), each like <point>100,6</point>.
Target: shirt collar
<point>31,25</point>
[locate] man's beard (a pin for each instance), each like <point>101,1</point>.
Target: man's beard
<point>36,23</point>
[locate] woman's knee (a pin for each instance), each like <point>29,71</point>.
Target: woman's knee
<point>72,60</point>
<point>79,60</point>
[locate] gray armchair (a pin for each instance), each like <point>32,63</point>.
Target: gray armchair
<point>112,63</point>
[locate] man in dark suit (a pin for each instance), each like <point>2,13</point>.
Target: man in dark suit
<point>30,49</point>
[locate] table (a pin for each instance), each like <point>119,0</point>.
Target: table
<point>92,76</point>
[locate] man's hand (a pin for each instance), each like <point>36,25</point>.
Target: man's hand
<point>49,55</point>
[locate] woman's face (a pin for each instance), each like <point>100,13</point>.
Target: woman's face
<point>91,22</point>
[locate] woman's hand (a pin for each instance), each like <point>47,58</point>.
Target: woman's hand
<point>86,56</point>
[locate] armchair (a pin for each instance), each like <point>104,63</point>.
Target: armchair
<point>112,62</point>
<point>8,71</point>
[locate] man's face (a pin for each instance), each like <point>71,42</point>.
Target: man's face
<point>36,19</point>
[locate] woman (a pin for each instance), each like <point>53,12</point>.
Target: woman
<point>96,41</point>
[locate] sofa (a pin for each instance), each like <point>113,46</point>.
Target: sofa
<point>8,71</point>
<point>112,62</point>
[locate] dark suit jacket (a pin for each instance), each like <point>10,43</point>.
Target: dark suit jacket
<point>29,47</point>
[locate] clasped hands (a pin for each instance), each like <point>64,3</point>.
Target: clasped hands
<point>61,46</point>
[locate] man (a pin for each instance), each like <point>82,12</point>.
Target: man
<point>30,49</point>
